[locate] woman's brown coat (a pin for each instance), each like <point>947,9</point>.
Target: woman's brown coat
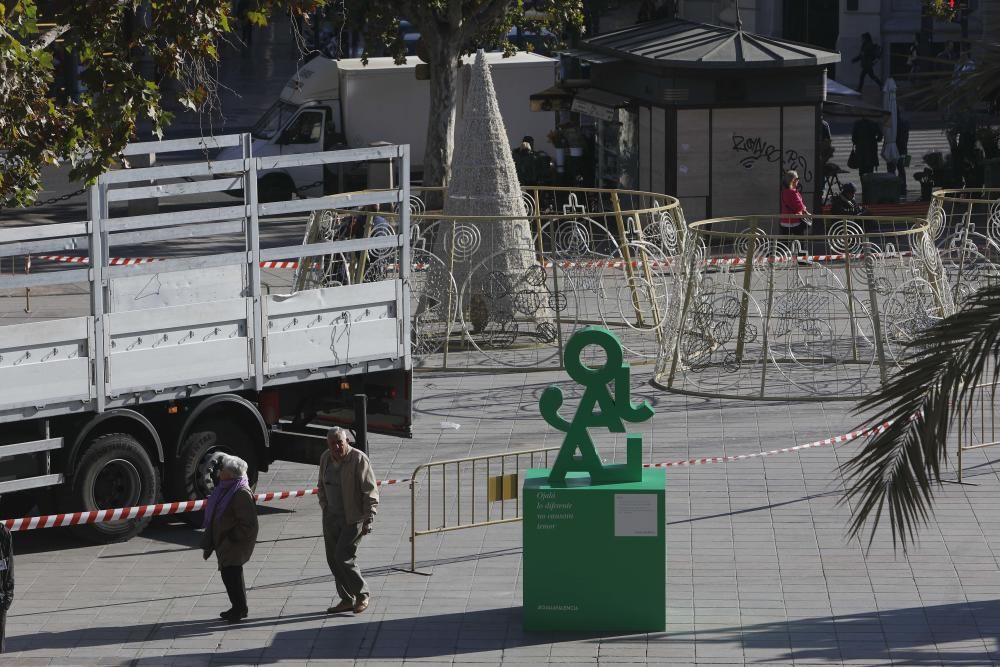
<point>235,530</point>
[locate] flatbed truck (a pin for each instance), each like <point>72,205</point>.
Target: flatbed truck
<point>172,363</point>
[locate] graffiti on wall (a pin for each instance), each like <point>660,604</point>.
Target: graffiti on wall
<point>797,161</point>
<point>754,149</point>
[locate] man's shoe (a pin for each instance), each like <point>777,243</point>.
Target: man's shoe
<point>360,605</point>
<point>343,607</point>
<point>234,616</point>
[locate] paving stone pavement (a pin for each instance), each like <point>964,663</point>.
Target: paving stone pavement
<point>759,570</point>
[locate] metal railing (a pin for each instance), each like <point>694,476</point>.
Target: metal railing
<point>217,240</point>
<point>480,483</point>
<point>793,314</point>
<point>977,425</point>
<point>503,293</point>
<point>964,226</point>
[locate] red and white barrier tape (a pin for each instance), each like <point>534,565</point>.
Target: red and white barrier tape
<point>123,513</point>
<point>562,264</point>
<point>113,261</point>
<point>836,440</point>
<point>179,507</point>
<point>131,261</point>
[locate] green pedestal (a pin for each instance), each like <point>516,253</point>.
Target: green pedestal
<point>595,556</point>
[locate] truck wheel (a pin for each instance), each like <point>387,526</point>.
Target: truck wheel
<point>275,187</point>
<point>203,447</point>
<point>114,471</point>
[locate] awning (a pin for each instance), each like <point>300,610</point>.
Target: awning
<point>853,110</point>
<point>598,103</point>
<point>834,87</point>
<point>555,98</point>
<point>590,56</point>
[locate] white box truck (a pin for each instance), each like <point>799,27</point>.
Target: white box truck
<point>330,103</point>
<point>129,392</point>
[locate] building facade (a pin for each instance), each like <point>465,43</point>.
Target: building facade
<point>838,25</point>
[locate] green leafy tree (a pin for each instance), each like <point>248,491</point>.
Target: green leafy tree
<point>109,39</point>
<point>450,29</point>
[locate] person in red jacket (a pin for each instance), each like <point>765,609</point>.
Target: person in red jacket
<point>793,209</point>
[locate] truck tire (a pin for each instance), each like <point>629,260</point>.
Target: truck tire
<point>275,187</point>
<point>113,471</point>
<point>207,441</point>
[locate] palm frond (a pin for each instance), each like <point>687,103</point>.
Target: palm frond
<point>900,464</point>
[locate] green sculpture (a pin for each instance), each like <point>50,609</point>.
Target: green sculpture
<point>613,410</point>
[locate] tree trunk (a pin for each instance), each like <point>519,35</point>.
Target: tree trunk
<point>443,64</point>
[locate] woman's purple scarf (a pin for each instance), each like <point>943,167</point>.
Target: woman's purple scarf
<point>221,496</point>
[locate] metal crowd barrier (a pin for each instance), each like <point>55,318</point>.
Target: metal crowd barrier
<point>481,483</point>
<point>977,424</point>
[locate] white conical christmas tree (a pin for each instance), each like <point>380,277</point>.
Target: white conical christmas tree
<point>493,259</point>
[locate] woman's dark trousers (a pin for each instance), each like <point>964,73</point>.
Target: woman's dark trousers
<point>232,577</point>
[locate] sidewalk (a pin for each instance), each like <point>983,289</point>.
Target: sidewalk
<point>758,571</point>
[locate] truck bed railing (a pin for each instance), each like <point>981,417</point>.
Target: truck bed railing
<point>199,320</point>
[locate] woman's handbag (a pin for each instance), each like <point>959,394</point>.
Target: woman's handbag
<point>852,160</point>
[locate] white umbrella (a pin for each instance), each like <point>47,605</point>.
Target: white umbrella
<point>890,153</point>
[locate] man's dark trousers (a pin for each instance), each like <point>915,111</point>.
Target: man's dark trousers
<point>341,540</point>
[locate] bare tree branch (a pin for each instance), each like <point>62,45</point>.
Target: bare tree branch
<point>487,14</point>
<point>50,36</point>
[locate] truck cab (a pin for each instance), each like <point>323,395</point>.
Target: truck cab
<point>286,129</point>
<point>348,103</point>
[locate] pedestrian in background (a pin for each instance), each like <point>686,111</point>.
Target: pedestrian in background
<point>6,578</point>
<point>844,203</point>
<point>870,52</point>
<point>348,496</point>
<point>866,135</point>
<point>916,54</point>
<point>902,145</point>
<point>793,208</point>
<point>231,531</point>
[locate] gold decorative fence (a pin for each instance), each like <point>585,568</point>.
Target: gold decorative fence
<point>579,256</point>
<point>763,311</point>
<point>965,225</point>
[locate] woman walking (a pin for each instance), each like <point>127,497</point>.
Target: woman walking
<point>231,530</point>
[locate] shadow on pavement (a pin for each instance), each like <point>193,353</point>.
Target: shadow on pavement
<point>907,636</point>
<point>381,571</point>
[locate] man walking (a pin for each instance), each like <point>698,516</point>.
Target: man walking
<point>348,495</point>
<point>6,578</point>
<point>869,53</point>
